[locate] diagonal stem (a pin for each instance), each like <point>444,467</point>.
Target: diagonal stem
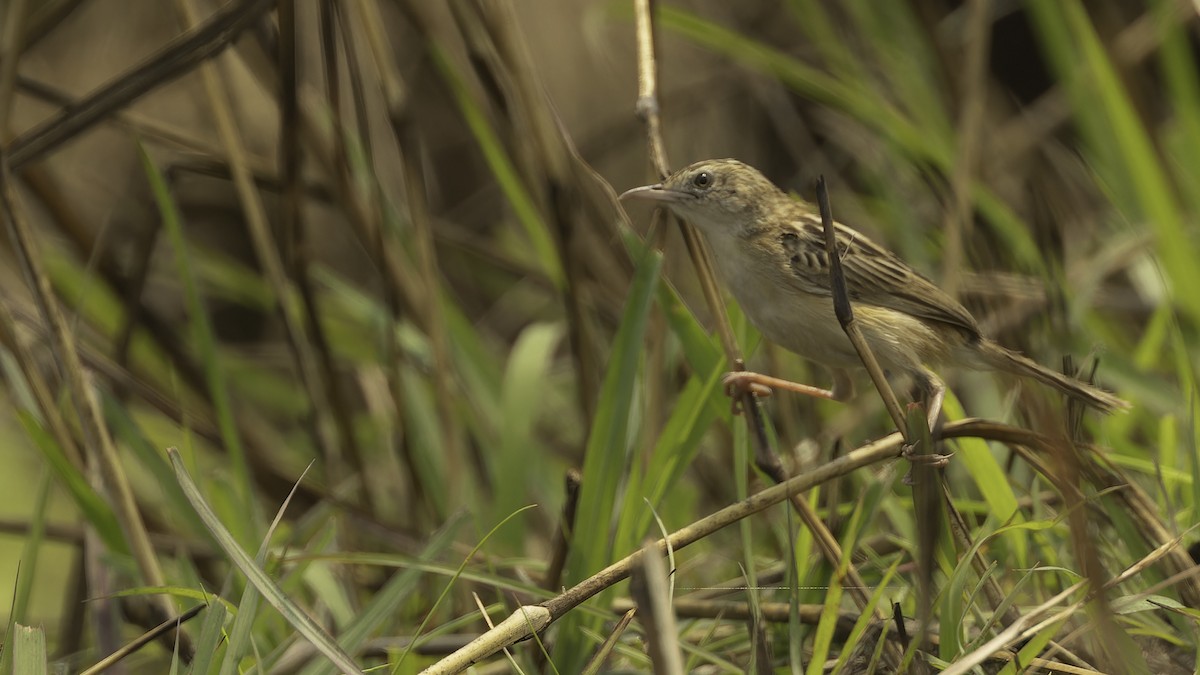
<point>845,315</point>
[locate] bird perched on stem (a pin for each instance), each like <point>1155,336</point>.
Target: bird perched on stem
<point>770,252</point>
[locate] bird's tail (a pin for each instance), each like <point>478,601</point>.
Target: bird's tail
<point>1009,361</point>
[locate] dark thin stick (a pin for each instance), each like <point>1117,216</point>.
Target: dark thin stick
<point>898,619</point>
<point>197,45</point>
<point>925,496</point>
<point>10,50</point>
<point>885,449</point>
<point>42,19</point>
<point>558,559</point>
<point>139,125</point>
<point>290,230</point>
<point>689,607</point>
<point>648,112</point>
<point>72,619</point>
<point>98,443</point>
<point>845,314</point>
<point>144,639</point>
<point>144,245</point>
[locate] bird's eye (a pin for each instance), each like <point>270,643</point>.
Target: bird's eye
<point>702,180</point>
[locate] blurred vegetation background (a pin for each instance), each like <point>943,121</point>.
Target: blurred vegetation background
<point>368,254</point>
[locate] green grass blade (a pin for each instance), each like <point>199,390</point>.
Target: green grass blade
<point>990,479</point>
<point>519,462</point>
<point>211,637</point>
<point>29,651</point>
<point>95,509</point>
<point>519,198</point>
<point>296,616</point>
<point>125,430</point>
<point>239,634</point>
<point>390,598</point>
<point>605,456</point>
<point>202,334</point>
<point>1122,153</point>
<point>31,549</point>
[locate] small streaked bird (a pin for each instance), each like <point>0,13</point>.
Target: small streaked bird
<point>770,251</point>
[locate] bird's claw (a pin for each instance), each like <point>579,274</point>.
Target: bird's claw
<point>931,459</point>
<point>739,383</point>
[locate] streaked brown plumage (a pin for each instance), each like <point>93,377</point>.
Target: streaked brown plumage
<point>770,251</point>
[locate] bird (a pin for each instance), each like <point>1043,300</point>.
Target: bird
<point>769,251</point>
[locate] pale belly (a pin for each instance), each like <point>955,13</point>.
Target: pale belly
<point>806,324</point>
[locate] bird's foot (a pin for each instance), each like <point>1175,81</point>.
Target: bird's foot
<point>930,459</point>
<point>741,382</point>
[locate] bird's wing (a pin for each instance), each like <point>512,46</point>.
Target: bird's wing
<point>874,275</point>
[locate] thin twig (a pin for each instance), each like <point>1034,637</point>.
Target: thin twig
<point>266,250</point>
<point>164,628</point>
<point>883,449</point>
<point>44,18</point>
<point>10,50</point>
<point>211,158</point>
<point>845,314</point>
<point>179,56</point>
<point>291,230</point>
<point>927,500</point>
<point>648,110</point>
<point>562,542</point>
<point>98,441</point>
<point>647,102</point>
<point>737,610</point>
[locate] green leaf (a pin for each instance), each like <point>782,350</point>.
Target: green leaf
<point>29,651</point>
<point>520,464</point>
<point>96,510</point>
<point>519,198</point>
<point>1121,151</point>
<point>202,334</point>
<point>295,615</point>
<point>992,482</point>
<point>605,457</point>
<point>386,602</point>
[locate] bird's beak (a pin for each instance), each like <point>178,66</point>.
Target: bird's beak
<point>655,193</point>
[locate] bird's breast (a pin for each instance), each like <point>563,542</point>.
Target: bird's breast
<point>800,322</point>
<point>805,323</point>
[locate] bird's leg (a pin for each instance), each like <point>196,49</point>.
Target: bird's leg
<point>843,385</point>
<point>935,396</point>
<point>740,382</point>
<point>934,393</point>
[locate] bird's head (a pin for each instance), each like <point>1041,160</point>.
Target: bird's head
<point>719,196</point>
